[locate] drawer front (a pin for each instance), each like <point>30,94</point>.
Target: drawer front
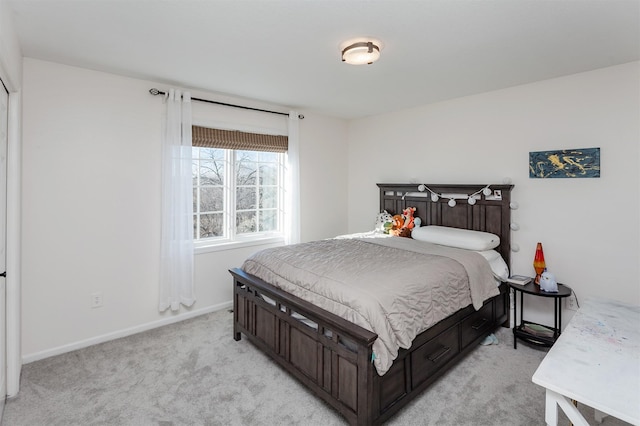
<point>429,357</point>
<point>477,324</point>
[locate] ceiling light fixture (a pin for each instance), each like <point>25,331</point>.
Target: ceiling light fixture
<point>361,52</point>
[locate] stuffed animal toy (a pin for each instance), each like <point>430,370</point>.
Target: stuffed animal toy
<point>417,222</point>
<point>398,221</point>
<point>408,217</point>
<point>404,232</point>
<point>403,223</point>
<point>388,226</point>
<point>548,282</point>
<point>384,222</point>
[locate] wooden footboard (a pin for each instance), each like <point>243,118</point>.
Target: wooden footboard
<point>332,356</point>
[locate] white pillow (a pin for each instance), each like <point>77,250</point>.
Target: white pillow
<point>489,254</point>
<point>497,263</point>
<point>455,237</point>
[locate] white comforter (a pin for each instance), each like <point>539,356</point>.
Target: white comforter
<point>395,287</point>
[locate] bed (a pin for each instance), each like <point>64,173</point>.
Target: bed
<point>333,357</point>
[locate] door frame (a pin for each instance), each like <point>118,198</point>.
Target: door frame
<point>14,238</point>
<point>11,63</point>
<point>14,233</point>
<point>4,148</point>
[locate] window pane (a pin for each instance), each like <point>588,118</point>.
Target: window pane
<point>211,172</point>
<point>195,201</point>
<point>211,199</point>
<point>247,156</point>
<point>268,198</point>
<point>210,225</point>
<point>245,198</point>
<point>245,222</point>
<point>214,154</point>
<point>246,173</point>
<point>268,220</point>
<point>268,174</point>
<point>270,157</point>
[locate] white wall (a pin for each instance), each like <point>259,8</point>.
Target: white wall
<point>589,227</point>
<point>91,198</point>
<point>324,176</point>
<point>10,53</point>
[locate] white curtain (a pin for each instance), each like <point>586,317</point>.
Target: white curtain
<point>176,251</point>
<point>292,202</point>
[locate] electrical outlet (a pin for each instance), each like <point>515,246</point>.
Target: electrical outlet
<point>571,303</point>
<point>96,299</point>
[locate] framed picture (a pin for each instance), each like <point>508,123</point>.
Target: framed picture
<point>565,163</point>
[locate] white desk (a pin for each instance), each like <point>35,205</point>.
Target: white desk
<point>596,361</point>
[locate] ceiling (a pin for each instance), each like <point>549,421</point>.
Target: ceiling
<point>288,52</point>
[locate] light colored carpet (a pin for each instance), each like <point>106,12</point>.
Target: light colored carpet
<point>194,373</point>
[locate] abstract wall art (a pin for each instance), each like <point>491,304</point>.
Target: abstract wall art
<point>565,163</point>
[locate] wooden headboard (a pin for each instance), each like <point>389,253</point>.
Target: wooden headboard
<point>488,214</point>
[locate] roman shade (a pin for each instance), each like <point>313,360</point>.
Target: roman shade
<point>205,137</point>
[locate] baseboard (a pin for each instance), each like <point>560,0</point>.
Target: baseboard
<point>123,333</point>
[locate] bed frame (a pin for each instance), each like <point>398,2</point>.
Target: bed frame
<point>333,358</point>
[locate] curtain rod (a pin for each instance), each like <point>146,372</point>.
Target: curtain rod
<point>156,92</point>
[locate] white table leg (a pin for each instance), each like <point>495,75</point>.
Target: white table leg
<point>553,398</point>
<point>551,409</point>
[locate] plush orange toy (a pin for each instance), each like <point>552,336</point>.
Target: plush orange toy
<point>403,223</point>
<point>398,221</point>
<point>408,217</point>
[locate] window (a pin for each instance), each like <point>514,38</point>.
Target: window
<point>238,194</point>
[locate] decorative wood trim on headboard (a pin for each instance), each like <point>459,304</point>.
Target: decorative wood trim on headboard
<point>488,214</point>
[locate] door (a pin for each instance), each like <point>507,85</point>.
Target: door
<point>4,124</point>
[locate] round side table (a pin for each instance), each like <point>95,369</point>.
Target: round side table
<point>531,332</point>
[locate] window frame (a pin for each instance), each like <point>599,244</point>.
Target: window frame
<point>231,239</point>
